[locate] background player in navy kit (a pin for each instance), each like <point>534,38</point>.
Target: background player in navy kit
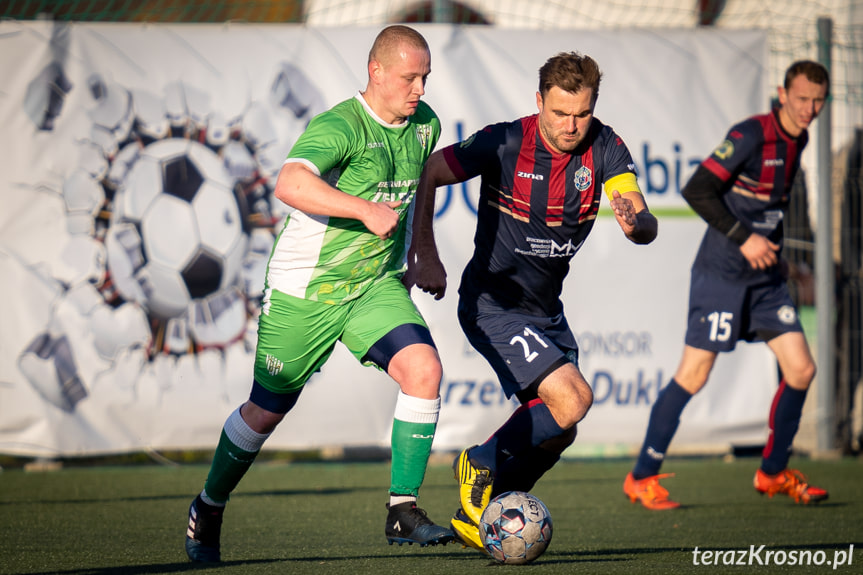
<point>542,179</point>
<point>737,289</point>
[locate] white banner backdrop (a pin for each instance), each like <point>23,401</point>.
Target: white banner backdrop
<point>85,368</point>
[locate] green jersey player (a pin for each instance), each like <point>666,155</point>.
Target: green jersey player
<point>335,275</point>
<point>335,259</point>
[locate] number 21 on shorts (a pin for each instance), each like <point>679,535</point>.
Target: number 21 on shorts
<point>720,325</point>
<point>529,355</point>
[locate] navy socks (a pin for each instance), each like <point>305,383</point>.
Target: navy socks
<point>784,421</point>
<point>664,419</point>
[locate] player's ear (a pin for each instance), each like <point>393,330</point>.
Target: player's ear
<point>539,101</point>
<point>375,71</point>
<point>783,95</point>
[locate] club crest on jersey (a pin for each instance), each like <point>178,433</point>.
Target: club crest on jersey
<point>583,178</point>
<point>274,365</point>
<point>724,150</point>
<point>423,134</point>
<point>467,142</point>
<point>786,314</point>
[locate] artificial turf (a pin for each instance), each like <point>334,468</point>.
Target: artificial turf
<point>328,518</point>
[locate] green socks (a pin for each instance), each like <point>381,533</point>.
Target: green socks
<point>414,426</point>
<point>237,449</point>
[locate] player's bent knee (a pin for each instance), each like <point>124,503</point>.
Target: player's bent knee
<point>580,413</point>
<point>802,377</point>
<point>577,409</point>
<point>585,395</point>
<point>809,373</point>
<point>425,383</point>
<point>417,371</point>
<point>568,404</point>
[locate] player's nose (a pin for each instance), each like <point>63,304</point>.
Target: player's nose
<point>419,87</point>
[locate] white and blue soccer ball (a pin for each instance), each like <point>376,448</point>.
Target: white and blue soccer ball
<point>515,528</point>
<point>177,232</point>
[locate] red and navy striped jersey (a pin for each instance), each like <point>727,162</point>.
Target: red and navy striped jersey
<point>536,207</point>
<point>758,161</point>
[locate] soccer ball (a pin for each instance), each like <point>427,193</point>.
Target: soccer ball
<point>178,231</point>
<point>515,528</point>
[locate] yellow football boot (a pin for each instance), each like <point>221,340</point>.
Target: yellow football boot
<point>474,486</point>
<point>466,532</point>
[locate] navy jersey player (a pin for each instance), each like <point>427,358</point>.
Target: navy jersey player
<point>737,289</point>
<point>542,178</point>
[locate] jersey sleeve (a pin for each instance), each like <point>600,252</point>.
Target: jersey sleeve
<point>477,153</point>
<point>623,183</point>
<point>741,142</point>
<point>325,143</point>
<point>620,172</point>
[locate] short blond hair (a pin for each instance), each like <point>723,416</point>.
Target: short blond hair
<point>390,38</point>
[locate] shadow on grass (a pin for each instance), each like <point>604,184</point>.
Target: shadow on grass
<point>183,567</point>
<point>188,567</point>
<point>551,557</point>
<point>191,495</point>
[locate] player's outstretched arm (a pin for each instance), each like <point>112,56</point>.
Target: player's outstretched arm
<point>636,221</point>
<point>301,188</point>
<point>425,268</point>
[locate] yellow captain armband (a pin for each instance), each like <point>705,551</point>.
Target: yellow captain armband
<point>623,183</point>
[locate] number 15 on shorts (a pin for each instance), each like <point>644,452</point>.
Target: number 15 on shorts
<point>720,325</point>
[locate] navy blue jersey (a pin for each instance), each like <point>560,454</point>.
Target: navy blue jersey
<point>758,161</point>
<point>536,208</point>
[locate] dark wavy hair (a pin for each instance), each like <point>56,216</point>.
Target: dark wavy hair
<point>571,72</point>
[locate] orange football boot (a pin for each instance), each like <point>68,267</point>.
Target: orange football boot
<point>648,490</point>
<point>789,482</point>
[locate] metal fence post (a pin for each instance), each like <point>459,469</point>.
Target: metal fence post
<point>824,265</point>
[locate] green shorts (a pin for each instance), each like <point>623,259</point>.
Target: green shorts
<point>297,336</point>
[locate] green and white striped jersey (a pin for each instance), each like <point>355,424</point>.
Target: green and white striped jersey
<point>334,259</point>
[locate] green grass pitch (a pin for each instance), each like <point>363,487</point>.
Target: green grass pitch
<point>328,518</point>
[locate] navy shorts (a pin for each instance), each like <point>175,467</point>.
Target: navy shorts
<point>522,349</point>
<point>722,313</point>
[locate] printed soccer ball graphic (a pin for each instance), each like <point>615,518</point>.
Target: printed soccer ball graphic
<point>178,230</point>
<point>515,528</point>
<point>171,218</point>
